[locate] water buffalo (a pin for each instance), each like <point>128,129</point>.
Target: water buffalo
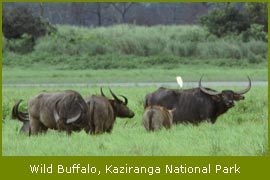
<point>24,118</point>
<point>155,117</point>
<point>103,112</point>
<point>21,116</point>
<point>196,104</point>
<point>62,110</point>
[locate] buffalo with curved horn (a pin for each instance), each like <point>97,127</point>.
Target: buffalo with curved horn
<point>196,104</point>
<point>103,112</point>
<point>61,110</point>
<point>236,94</point>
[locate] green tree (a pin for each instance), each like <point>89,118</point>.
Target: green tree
<point>224,19</point>
<point>256,13</point>
<point>21,29</point>
<point>19,21</point>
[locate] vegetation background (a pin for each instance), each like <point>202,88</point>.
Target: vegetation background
<point>114,42</point>
<point>43,42</point>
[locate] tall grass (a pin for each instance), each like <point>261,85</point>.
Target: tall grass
<point>242,131</point>
<point>127,46</point>
<point>181,41</point>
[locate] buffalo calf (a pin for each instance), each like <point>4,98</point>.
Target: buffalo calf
<point>155,117</point>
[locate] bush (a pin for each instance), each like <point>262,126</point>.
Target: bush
<point>254,59</point>
<point>257,13</point>
<point>19,21</point>
<point>23,45</point>
<point>138,47</point>
<point>255,32</point>
<point>224,20</point>
<point>250,22</point>
<point>4,44</point>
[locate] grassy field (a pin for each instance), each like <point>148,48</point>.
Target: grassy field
<point>188,73</point>
<point>127,53</point>
<point>242,131</point>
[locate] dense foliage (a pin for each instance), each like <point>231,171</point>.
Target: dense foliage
<point>129,46</point>
<point>251,20</point>
<point>19,23</point>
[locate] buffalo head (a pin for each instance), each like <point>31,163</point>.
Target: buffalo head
<point>226,96</point>
<point>120,107</point>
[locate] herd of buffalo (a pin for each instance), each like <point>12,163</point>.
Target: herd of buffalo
<point>68,111</point>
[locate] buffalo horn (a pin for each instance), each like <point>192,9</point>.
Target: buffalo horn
<point>69,120</point>
<point>15,109</point>
<point>20,115</point>
<point>245,90</point>
<point>114,96</point>
<point>212,93</point>
<point>55,114</point>
<point>101,92</point>
<point>126,100</point>
<point>75,118</point>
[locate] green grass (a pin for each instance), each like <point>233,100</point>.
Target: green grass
<point>188,73</point>
<point>242,131</point>
<point>139,54</point>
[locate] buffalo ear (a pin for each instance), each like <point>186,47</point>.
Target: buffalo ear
<point>112,102</point>
<point>238,97</point>
<point>172,110</point>
<point>216,98</point>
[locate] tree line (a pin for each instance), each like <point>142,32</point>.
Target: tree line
<point>104,14</point>
<point>37,19</point>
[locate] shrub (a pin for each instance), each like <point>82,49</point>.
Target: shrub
<point>137,47</point>
<point>224,20</point>
<point>22,29</point>
<point>255,32</point>
<point>19,21</point>
<point>256,13</point>
<point>254,58</point>
<point>23,45</point>
<point>4,44</point>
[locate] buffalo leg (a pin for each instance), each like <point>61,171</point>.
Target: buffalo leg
<point>87,130</point>
<point>61,126</point>
<point>35,126</point>
<point>44,129</point>
<point>109,130</point>
<point>99,129</point>
<point>213,120</point>
<point>90,129</point>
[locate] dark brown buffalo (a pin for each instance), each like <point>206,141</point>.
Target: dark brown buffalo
<point>103,112</point>
<point>62,110</point>
<point>155,117</point>
<point>23,117</point>
<point>196,104</point>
